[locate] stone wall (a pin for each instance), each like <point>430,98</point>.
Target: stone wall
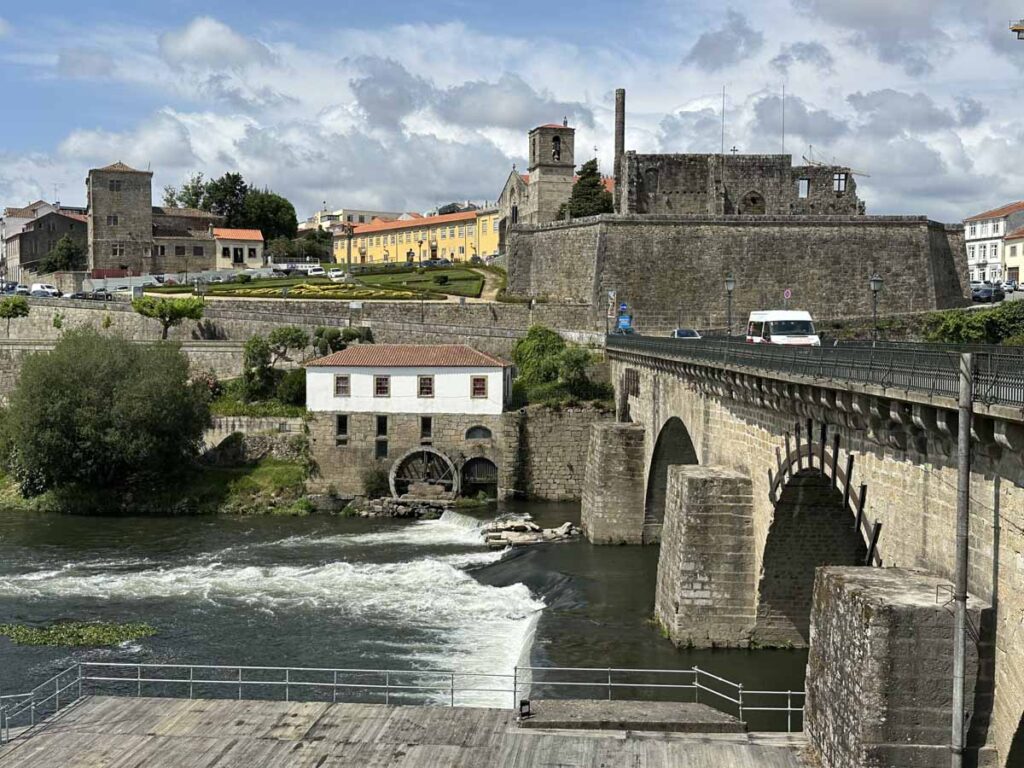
<point>492,328</point>
<point>671,269</point>
<point>706,570</point>
<point>545,450</point>
<point>612,510</point>
<point>880,669</point>
<point>907,458</point>
<point>223,426</point>
<point>222,358</point>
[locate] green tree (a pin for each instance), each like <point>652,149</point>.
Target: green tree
<point>536,355</point>
<point>99,413</point>
<point>12,307</point>
<point>257,373</point>
<point>280,249</point>
<point>226,196</point>
<point>66,256</point>
<point>327,340</point>
<point>270,213</point>
<point>285,339</point>
<point>589,197</point>
<point>170,312</point>
<point>191,194</point>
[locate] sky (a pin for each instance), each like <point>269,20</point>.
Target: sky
<point>405,106</point>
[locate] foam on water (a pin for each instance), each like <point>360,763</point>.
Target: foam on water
<point>453,528</point>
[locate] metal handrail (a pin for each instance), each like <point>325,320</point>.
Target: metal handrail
<point>928,369</point>
<point>87,677</point>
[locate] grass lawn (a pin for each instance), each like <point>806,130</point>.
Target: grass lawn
<point>406,284</point>
<point>461,282</point>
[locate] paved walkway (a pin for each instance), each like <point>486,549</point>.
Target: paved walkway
<point>180,733</point>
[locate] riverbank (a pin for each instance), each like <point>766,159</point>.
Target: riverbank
<point>267,487</point>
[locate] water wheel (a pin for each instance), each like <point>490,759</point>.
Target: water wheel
<point>423,466</point>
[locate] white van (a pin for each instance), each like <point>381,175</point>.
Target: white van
<point>780,326</point>
<point>48,289</point>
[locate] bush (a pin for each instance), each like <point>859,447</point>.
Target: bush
<point>441,279</point>
<point>535,355</point>
<point>291,390</point>
<point>327,340</point>
<point>243,278</point>
<point>979,326</point>
<point>98,412</point>
<point>375,483</point>
<point>257,374</point>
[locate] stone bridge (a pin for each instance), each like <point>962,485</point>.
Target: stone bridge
<point>755,468</point>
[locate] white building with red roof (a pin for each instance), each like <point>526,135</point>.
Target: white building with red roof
<point>984,234</point>
<point>408,379</point>
<point>238,248</point>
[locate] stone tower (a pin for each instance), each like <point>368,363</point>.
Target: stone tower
<point>552,167</point>
<point>120,218</point>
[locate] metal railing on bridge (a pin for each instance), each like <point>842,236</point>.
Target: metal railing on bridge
<point>928,369</point>
<point>769,710</point>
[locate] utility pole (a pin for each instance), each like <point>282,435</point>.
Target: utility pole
<point>963,502</point>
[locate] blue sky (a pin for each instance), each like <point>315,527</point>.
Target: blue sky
<point>407,105</point>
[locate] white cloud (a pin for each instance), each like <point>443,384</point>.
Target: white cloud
<point>162,141</point>
<point>84,63</point>
<point>730,44</point>
<point>5,28</point>
<point>206,42</point>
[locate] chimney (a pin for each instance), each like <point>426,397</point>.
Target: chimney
<point>620,141</point>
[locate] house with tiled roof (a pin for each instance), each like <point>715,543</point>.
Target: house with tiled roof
<point>238,248</point>
<point>465,236</point>
<point>422,412</point>
<point>984,234</point>
<point>16,220</point>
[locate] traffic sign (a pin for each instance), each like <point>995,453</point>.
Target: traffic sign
<point>788,293</point>
<point>623,307</point>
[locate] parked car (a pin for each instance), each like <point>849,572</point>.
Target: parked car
<point>316,272</point>
<point>781,326</point>
<point>101,295</point>
<point>22,290</point>
<point>1010,286</point>
<point>51,291</point>
<point>685,333</point>
<point>38,294</point>
<point>987,293</point>
<point>476,259</point>
<point>336,273</point>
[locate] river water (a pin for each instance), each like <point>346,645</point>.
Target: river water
<point>324,591</point>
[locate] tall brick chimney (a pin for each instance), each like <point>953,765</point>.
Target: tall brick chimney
<point>620,139</point>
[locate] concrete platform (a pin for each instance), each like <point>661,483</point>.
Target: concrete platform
<point>657,716</point>
<point>180,733</point>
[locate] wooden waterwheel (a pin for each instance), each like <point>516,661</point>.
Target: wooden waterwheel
<point>424,465</point>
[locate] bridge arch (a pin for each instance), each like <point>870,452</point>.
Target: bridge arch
<point>673,446</point>
<point>814,523</point>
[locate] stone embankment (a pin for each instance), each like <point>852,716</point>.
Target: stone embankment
<point>404,507</point>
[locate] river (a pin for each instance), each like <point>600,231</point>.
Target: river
<point>324,591</point>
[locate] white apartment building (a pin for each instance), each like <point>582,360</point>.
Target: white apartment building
<point>324,219</point>
<point>408,378</point>
<point>984,233</point>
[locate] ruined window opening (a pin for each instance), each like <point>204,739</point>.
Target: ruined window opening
<point>478,433</point>
<point>839,182</point>
<point>803,188</point>
<point>381,449</point>
<point>341,429</point>
<point>382,426</point>
<point>426,428</point>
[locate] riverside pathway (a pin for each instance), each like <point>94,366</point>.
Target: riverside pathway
<point>119,732</point>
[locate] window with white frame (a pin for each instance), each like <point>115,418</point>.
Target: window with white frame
<point>342,385</point>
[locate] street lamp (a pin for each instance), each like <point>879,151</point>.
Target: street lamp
<point>420,253</point>
<point>875,281</point>
<point>730,286</point>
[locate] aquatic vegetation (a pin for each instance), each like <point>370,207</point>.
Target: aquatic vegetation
<point>77,633</point>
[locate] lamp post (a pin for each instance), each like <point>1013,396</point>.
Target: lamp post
<point>420,253</point>
<point>730,286</point>
<point>875,282</point>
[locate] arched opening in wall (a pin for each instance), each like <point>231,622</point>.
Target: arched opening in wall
<point>480,475</point>
<point>425,472</point>
<point>753,204</point>
<point>478,433</point>
<point>673,446</point>
<point>810,528</point>
<point>629,385</point>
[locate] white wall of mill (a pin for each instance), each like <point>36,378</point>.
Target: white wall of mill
<point>451,391</point>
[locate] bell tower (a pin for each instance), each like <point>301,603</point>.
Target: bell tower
<point>552,168</point>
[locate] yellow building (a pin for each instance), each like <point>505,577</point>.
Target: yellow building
<point>1013,256</point>
<point>457,237</point>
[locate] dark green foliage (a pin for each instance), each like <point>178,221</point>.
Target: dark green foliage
<point>270,213</point>
<point>232,402</point>
<point>441,279</point>
<point>226,196</point>
<point>534,355</point>
<point>375,483</point>
<point>191,194</point>
<point>66,256</point>
<point>170,312</point>
<point>361,334</point>
<point>978,326</point>
<point>243,278</point>
<point>285,339</point>
<point>76,633</point>
<point>257,373</point>
<point>12,307</point>
<point>327,340</point>
<point>589,197</point>
<point>98,412</point>
<point>291,390</point>
<point>281,249</point>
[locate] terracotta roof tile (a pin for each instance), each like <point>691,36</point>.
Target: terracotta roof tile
<point>998,213</point>
<point>1017,234</point>
<point>225,233</point>
<point>409,356</point>
<point>382,226</point>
